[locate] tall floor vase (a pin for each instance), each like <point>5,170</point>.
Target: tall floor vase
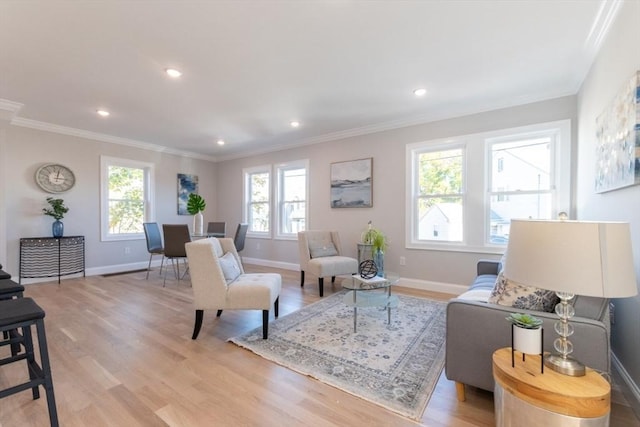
<point>57,228</point>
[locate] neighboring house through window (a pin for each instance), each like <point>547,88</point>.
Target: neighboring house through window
<point>463,192</point>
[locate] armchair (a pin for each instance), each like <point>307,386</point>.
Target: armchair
<point>219,282</point>
<point>321,255</point>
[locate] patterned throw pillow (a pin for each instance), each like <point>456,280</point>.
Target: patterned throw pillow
<point>511,294</point>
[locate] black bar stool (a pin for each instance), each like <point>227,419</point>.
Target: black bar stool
<point>9,290</point>
<point>19,315</point>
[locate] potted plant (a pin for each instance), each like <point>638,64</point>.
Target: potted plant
<point>195,206</point>
<point>527,333</point>
<point>56,210</point>
<point>378,241</point>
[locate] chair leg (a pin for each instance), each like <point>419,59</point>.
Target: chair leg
<point>321,285</point>
<point>218,313</point>
<point>265,324</point>
<point>301,278</point>
<point>46,369</point>
<point>275,306</point>
<point>149,266</point>
<point>31,360</point>
<point>460,391</point>
<point>161,263</point>
<point>333,279</point>
<point>198,324</point>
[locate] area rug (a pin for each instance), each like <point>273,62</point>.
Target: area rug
<point>395,366</point>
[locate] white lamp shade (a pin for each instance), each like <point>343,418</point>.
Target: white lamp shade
<point>579,257</point>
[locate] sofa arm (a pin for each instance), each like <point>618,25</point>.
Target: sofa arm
<point>476,329</point>
<point>488,266</point>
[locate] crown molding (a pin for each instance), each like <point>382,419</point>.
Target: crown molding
<point>602,24</point>
<point>9,109</point>
<point>64,130</point>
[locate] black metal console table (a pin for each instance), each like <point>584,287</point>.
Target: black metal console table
<point>51,257</point>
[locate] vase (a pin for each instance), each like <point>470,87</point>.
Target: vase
<point>57,228</point>
<point>378,259</point>
<point>198,221</point>
<point>528,341</point>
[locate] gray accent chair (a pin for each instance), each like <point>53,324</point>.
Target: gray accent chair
<point>475,329</point>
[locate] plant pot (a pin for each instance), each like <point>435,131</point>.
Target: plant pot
<point>57,228</point>
<point>528,341</point>
<point>198,224</point>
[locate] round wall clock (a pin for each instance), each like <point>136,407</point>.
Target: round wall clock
<point>55,178</point>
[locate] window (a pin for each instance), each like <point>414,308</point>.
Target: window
<point>520,181</point>
<point>292,198</point>
<point>439,200</point>
<point>257,196</point>
<point>463,192</point>
<point>126,193</point>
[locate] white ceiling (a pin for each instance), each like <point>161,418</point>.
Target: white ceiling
<point>341,67</point>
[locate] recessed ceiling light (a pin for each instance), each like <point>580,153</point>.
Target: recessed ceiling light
<point>420,92</point>
<point>295,124</point>
<point>172,72</point>
<point>220,142</point>
<point>102,113</point>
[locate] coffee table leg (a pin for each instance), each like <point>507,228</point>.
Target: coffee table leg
<point>355,311</point>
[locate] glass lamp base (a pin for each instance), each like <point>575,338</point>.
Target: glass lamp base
<point>567,366</point>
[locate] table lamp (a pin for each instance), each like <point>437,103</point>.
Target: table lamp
<point>571,257</point>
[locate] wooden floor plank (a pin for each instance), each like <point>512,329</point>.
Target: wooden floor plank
<point>122,355</point>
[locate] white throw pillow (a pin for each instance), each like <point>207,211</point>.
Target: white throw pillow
<point>230,267</point>
<point>512,294</point>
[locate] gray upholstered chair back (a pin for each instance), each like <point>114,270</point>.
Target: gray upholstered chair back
<point>154,239</point>
<point>175,237</point>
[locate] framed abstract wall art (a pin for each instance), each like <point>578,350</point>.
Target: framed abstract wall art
<point>618,140</point>
<point>187,184</point>
<point>351,184</point>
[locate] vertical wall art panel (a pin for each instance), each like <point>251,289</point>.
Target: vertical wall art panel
<point>187,184</point>
<point>618,140</point>
<point>351,184</point>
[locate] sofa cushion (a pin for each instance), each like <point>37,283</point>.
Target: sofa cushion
<point>509,293</point>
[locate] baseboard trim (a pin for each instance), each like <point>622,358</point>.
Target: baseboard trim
<point>630,389</point>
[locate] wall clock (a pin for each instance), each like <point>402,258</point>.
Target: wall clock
<point>55,178</point>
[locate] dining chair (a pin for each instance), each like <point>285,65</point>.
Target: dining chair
<point>154,243</point>
<point>241,233</point>
<point>216,229</point>
<point>175,237</point>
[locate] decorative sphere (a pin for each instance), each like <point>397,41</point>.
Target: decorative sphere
<point>368,269</point>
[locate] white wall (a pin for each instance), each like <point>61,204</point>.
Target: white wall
<point>617,61</point>
<point>388,211</point>
<point>25,150</point>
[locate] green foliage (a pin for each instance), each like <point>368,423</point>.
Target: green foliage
<point>195,204</point>
<point>57,209</point>
<point>440,177</point>
<point>375,238</point>
<point>126,200</point>
<point>525,321</point>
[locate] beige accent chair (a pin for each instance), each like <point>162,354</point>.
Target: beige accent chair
<point>321,255</point>
<point>219,282</point>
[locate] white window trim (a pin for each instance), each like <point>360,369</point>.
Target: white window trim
<point>149,202</point>
<point>297,164</point>
<point>476,182</point>
<point>246,198</point>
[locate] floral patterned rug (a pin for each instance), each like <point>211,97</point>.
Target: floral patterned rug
<point>395,366</point>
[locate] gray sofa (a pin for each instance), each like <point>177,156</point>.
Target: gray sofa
<point>475,329</point>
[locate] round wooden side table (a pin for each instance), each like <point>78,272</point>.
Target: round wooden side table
<point>526,397</point>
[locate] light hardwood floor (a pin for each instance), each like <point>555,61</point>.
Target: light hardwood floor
<point>122,355</point>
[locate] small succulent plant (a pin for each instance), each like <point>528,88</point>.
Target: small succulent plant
<point>525,321</point>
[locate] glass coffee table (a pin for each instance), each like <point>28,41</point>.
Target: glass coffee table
<point>374,292</point>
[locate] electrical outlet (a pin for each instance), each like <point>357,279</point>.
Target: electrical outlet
<point>403,261</point>
<point>127,250</point>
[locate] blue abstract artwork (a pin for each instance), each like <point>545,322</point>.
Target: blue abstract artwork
<point>187,184</point>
